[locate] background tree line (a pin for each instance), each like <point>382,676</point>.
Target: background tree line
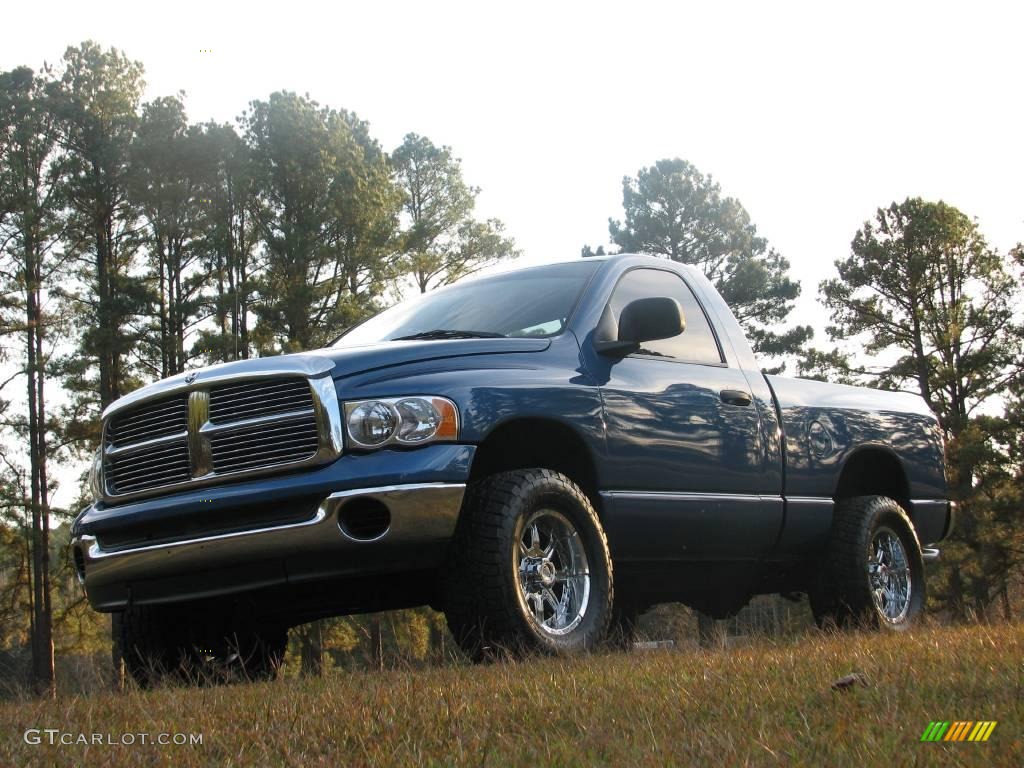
<point>135,244</point>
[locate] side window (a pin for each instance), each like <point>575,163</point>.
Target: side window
<point>697,343</point>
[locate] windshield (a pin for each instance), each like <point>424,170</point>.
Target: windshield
<point>530,302</point>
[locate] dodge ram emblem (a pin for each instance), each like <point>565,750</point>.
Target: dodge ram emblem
<point>190,377</point>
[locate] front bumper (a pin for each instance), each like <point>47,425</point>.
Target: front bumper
<point>420,512</point>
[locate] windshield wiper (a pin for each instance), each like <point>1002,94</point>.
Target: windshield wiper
<point>447,333</point>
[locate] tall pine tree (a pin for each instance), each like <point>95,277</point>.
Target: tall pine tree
<point>933,305</point>
<point>229,239</point>
<point>675,211</point>
<point>96,100</point>
<point>442,240</point>
<point>326,214</point>
<point>166,185</point>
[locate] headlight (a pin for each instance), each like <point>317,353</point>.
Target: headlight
<point>96,475</point>
<point>401,421</point>
<point>372,423</point>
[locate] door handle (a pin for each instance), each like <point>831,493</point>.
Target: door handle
<point>735,397</point>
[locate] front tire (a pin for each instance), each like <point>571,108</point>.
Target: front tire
<point>872,574</point>
<point>529,569</point>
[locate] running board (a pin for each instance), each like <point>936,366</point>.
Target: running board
<point>930,555</point>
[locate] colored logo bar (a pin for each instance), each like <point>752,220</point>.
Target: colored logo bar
<point>959,730</point>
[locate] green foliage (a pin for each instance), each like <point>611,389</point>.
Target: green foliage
<point>95,100</point>
<point>396,639</point>
<point>674,210</point>
<point>15,572</point>
<point>30,259</point>
<point>921,282</point>
<point>442,242</point>
<point>826,365</point>
<point>229,238</point>
<point>327,215</point>
<point>924,294</point>
<point>166,182</point>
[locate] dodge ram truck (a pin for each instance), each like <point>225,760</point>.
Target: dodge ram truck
<point>540,454</point>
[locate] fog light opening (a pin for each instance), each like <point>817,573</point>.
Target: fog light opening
<point>364,518</point>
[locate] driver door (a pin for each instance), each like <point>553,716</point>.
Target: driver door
<point>684,478</point>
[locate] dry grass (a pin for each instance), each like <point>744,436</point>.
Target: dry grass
<point>760,704</point>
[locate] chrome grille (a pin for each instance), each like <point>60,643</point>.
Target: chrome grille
<point>248,400</point>
<point>149,421</point>
<point>146,447</point>
<point>288,440</point>
<point>160,465</point>
<point>234,427</point>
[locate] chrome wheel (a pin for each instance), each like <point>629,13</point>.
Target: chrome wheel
<point>554,576</point>
<point>889,575</point>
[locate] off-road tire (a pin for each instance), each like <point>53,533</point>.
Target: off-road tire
<point>842,595</point>
<point>482,598</point>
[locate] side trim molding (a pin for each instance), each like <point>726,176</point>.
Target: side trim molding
<point>686,496</point>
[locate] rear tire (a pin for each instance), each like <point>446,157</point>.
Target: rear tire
<point>529,568</point>
<point>872,574</point>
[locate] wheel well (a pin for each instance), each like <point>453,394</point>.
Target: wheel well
<point>872,472</point>
<point>524,443</point>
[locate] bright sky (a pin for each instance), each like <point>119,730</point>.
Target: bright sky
<point>810,114</point>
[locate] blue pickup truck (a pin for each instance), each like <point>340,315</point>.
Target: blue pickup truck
<point>541,454</point>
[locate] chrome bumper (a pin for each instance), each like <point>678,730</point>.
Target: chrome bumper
<point>419,515</point>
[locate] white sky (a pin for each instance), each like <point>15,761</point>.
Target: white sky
<point>811,115</point>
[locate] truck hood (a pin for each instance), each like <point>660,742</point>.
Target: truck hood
<point>369,357</point>
<point>339,362</point>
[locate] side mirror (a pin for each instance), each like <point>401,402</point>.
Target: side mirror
<point>641,320</point>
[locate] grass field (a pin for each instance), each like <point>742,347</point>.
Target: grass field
<point>760,704</point>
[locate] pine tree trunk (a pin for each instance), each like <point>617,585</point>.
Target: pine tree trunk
<point>243,309</point>
<point>162,292</point>
<point>103,318</point>
<point>311,649</point>
<point>107,363</point>
<point>42,636</point>
<point>47,632</point>
<point>225,316</point>
<point>179,311</point>
<point>241,290</point>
